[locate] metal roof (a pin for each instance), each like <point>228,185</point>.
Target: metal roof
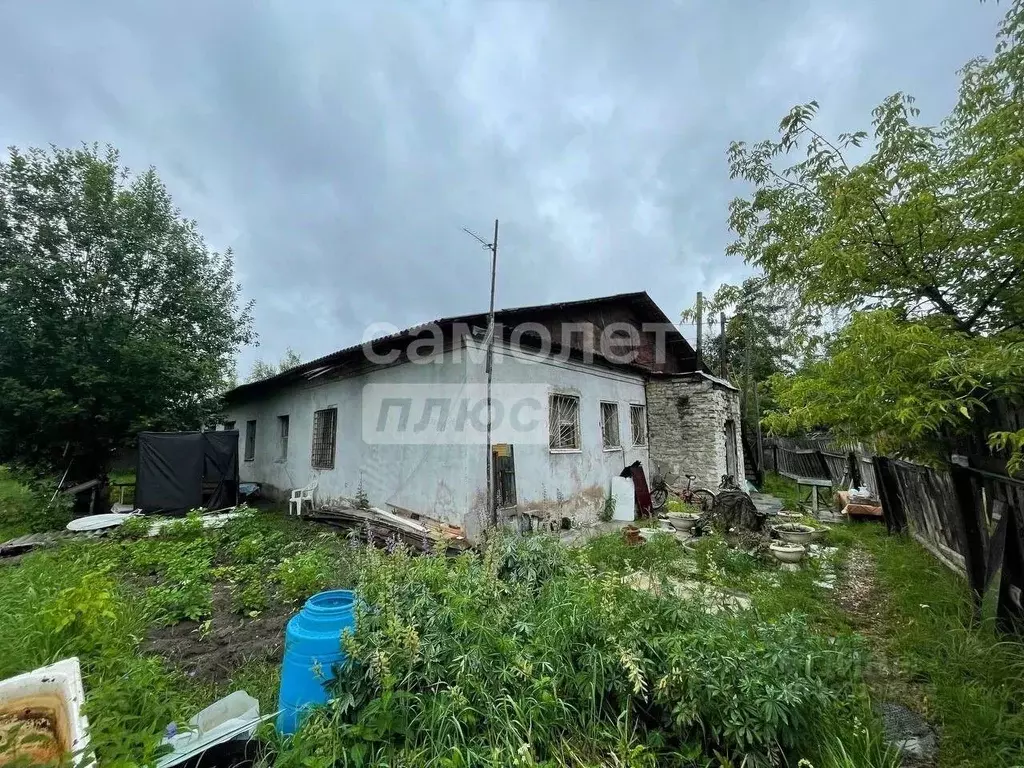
<point>326,363</point>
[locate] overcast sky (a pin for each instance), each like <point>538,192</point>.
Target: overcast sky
<point>340,147</point>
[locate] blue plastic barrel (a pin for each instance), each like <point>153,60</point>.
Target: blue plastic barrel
<point>312,646</point>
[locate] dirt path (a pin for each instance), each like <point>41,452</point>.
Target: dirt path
<point>863,600</point>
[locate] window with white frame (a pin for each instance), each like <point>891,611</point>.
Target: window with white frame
<point>564,423</point>
<point>610,426</point>
<point>325,436</point>
<point>638,423</point>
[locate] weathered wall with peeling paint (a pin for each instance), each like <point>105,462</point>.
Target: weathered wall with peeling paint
<point>688,417</point>
<point>429,479</point>
<point>448,481</point>
<point>556,484</point>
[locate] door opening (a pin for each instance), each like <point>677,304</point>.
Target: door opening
<point>504,473</point>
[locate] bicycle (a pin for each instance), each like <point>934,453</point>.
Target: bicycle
<point>701,498</point>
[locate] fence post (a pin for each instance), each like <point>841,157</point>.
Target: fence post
<point>889,494</point>
<point>974,556</point>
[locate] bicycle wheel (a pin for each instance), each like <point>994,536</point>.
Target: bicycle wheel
<point>703,498</point>
<point>658,498</point>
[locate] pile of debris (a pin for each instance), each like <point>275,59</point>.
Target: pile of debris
<point>858,503</point>
<point>382,528</point>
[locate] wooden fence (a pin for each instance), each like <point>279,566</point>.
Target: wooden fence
<point>969,515</point>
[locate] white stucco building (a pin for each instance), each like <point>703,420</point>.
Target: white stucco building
<point>580,391</point>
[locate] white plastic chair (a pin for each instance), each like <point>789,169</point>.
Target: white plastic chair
<point>299,496</point>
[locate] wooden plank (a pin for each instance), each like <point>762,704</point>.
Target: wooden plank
<point>801,480</point>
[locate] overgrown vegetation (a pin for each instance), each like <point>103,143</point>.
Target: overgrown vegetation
<point>100,600</point>
<point>532,654</point>
<point>27,506</point>
<point>970,679</point>
<point>538,655</point>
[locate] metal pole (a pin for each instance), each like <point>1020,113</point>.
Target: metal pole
<point>757,421</point>
<point>492,512</point>
<point>700,328</point>
<point>724,348</point>
<point>748,320</point>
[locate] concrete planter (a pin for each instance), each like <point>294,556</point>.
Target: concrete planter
<point>794,533</point>
<point>682,521</point>
<point>787,553</point>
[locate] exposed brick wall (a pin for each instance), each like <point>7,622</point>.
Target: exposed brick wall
<point>686,419</point>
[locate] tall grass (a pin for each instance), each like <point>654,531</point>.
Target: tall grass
<point>972,676</point>
<point>66,602</point>
<point>98,600</point>
<point>25,506</point>
<point>530,655</point>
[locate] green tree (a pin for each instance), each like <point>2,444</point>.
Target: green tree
<point>925,223</point>
<point>263,370</point>
<point>760,320</point>
<point>114,314</point>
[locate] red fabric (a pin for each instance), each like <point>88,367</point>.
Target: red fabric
<point>640,490</point>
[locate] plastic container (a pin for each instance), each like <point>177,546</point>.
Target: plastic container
<point>234,716</point>
<point>312,646</point>
<point>41,713</point>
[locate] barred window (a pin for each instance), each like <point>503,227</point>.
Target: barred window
<point>638,422</point>
<point>250,440</point>
<point>610,425</point>
<point>228,426</point>
<point>564,422</point>
<point>325,434</point>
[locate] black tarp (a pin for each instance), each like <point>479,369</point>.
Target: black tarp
<point>220,466</point>
<point>179,471</point>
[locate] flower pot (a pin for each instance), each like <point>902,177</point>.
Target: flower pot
<point>794,533</point>
<point>682,521</point>
<point>787,553</point>
<point>649,533</point>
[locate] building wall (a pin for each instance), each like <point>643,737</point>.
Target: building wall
<point>688,417</point>
<point>428,479</point>
<point>448,481</point>
<point>563,484</point>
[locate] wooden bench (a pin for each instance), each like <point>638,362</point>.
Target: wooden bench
<point>813,482</point>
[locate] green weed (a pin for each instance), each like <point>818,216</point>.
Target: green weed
<point>26,506</point>
<point>530,655</point>
<point>972,676</point>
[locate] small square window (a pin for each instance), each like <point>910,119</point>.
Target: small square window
<point>282,437</point>
<point>564,423</point>
<point>325,437</point>
<point>228,426</point>
<point>638,423</point>
<point>250,440</point>
<point>610,425</point>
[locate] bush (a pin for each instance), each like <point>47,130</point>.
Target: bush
<point>188,600</point>
<point>305,574</point>
<point>529,656</point>
<point>26,506</point>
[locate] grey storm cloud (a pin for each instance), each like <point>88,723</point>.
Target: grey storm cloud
<point>340,147</point>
